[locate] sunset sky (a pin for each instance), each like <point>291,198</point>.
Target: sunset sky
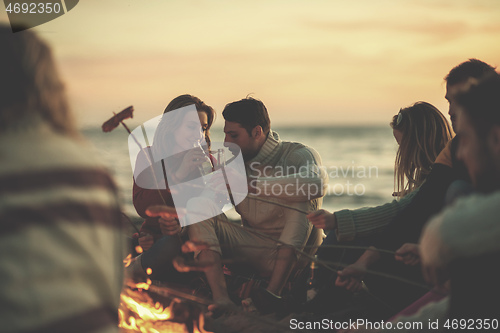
<point>313,62</point>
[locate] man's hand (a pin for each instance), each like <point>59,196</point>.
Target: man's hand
<point>169,224</point>
<point>409,254</point>
<point>322,219</point>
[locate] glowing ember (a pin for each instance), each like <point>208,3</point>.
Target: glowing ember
<point>138,249</point>
<point>149,271</point>
<point>128,260</point>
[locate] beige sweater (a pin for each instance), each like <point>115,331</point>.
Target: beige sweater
<point>290,173</point>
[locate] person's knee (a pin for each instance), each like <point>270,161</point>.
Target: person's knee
<point>200,209</point>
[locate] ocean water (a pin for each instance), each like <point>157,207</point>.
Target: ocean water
<point>359,161</point>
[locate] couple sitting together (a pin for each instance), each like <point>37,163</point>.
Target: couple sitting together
<point>275,231</point>
<point>273,234</point>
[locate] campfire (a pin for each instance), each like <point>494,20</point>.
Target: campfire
<point>148,308</point>
<point>144,312</point>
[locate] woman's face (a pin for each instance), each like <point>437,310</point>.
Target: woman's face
<point>398,135</point>
<point>191,131</point>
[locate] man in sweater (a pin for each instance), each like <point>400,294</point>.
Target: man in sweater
<point>286,172</point>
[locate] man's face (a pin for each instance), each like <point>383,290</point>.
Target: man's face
<point>451,93</point>
<point>236,134</point>
<point>476,154</point>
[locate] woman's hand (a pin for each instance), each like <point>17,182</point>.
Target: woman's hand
<point>146,241</point>
<point>169,223</point>
<point>351,277</point>
<point>322,219</point>
<point>169,226</point>
<point>193,159</point>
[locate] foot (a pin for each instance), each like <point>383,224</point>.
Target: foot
<point>266,302</point>
<point>248,305</point>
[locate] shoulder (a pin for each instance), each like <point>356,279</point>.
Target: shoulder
<point>300,153</point>
<point>471,223</point>
<point>43,159</point>
<point>445,156</point>
<point>41,149</point>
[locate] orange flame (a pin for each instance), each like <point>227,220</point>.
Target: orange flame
<point>138,313</point>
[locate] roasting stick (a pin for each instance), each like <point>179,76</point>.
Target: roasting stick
<point>113,123</point>
<point>118,119</point>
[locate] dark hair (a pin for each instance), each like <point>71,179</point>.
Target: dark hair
<point>481,103</point>
<point>472,68</point>
<point>185,100</point>
<point>30,86</point>
<point>248,112</point>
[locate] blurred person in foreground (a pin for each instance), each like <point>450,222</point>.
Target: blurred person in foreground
<point>463,243</point>
<point>61,239</point>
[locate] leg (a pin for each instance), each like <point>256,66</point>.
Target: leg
<point>205,231</point>
<point>215,276</point>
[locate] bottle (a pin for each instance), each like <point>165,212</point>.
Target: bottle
<point>312,282</point>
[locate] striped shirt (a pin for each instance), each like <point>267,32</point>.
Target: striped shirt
<point>61,242</point>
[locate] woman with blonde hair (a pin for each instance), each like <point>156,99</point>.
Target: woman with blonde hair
<point>421,132</point>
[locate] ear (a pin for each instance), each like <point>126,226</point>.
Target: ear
<point>257,131</point>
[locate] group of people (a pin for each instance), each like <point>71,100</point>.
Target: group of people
<point>63,234</point>
<point>429,176</point>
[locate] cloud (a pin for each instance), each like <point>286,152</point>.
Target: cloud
<point>433,30</point>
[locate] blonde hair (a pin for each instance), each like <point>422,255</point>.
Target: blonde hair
<point>425,132</point>
<point>30,88</point>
